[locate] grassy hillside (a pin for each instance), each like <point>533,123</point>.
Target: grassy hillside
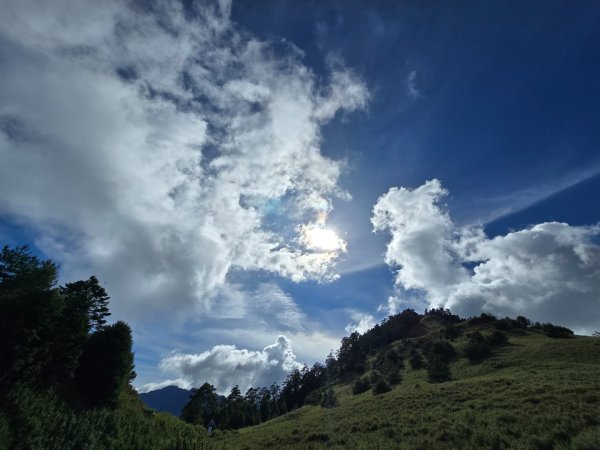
<point>535,392</point>
<point>36,420</point>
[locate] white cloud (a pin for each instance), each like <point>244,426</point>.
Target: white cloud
<point>225,366</point>
<point>549,272</point>
<point>161,151</point>
<point>363,322</point>
<point>179,382</point>
<point>267,306</point>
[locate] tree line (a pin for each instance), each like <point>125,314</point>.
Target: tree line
<point>57,337</point>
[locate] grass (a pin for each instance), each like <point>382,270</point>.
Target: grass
<point>534,393</point>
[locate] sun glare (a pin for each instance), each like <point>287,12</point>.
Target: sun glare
<point>324,239</point>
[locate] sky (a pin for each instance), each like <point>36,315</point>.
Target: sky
<point>251,181</point>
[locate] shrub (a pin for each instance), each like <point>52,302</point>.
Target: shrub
<point>416,360</point>
<point>497,338</point>
<point>438,369</point>
<point>314,398</point>
<point>523,322</point>
<point>440,349</point>
<point>328,399</point>
<point>394,376</point>
<point>361,385</point>
<point>482,319</point>
<point>381,386</point>
<point>451,332</point>
<point>556,331</point>
<point>477,347</point>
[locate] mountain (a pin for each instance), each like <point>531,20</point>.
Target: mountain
<point>169,399</point>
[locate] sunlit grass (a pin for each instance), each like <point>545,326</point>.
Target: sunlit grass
<point>536,393</point>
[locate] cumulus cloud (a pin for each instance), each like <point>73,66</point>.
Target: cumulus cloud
<point>163,148</point>
<point>549,271</point>
<point>362,322</point>
<point>224,366</point>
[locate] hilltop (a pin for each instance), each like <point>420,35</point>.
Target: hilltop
<point>533,391</point>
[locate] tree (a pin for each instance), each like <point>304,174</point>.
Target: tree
<point>439,354</point>
<point>30,311</point>
<point>329,399</point>
<point>106,365</point>
<point>477,347</point>
<point>233,414</point>
<point>202,406</point>
<point>90,299</point>
<point>523,322</point>
<point>438,369</point>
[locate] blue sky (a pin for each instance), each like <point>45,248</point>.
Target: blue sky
<point>222,168</point>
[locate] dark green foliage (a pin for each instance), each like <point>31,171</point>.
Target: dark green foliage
<point>381,386</point>
<point>202,407</point>
<point>445,314</point>
<point>30,312</point>
<point>451,332</point>
<point>477,347</point>
<point>90,299</point>
<point>351,353</point>
<point>439,354</point>
<point>438,369</point>
<point>523,322</point>
<point>329,399</point>
<point>480,347</point>
<point>416,360</point>
<point>556,331</point>
<point>394,376</point>
<point>362,384</point>
<point>106,365</point>
<point>441,349</point>
<point>497,338</point>
<point>482,319</point>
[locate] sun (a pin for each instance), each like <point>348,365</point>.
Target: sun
<point>323,239</point>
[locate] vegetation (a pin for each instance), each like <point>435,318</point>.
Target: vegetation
<point>65,376</point>
<point>532,392</point>
<point>65,373</point>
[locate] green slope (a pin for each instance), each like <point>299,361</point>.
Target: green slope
<point>534,393</point>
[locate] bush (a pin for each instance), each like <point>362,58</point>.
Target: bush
<point>440,349</point>
<point>438,369</point>
<point>497,338</point>
<point>314,398</point>
<point>523,322</point>
<point>361,385</point>
<point>451,332</point>
<point>381,386</point>
<point>394,376</point>
<point>416,360</point>
<point>477,347</point>
<point>328,399</point>
<point>556,331</point>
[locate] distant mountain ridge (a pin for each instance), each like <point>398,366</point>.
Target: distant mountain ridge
<point>170,399</point>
